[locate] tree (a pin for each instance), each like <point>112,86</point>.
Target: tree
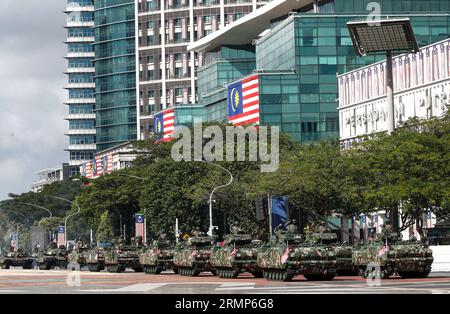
<point>104,229</point>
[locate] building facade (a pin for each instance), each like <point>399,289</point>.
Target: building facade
<point>166,69</point>
<point>81,86</point>
<point>48,176</point>
<point>115,72</point>
<point>299,46</point>
<point>421,89</point>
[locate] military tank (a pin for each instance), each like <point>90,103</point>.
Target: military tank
<point>95,258</point>
<point>16,259</point>
<point>193,257</point>
<point>159,256</point>
<point>78,254</point>
<point>388,255</point>
<point>120,257</point>
<point>238,254</point>
<point>289,254</point>
<point>52,257</point>
<point>323,235</point>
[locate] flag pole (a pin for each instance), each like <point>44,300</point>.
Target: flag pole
<point>269,207</point>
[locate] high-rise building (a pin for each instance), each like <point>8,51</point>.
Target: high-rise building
<point>115,72</point>
<point>166,69</point>
<point>81,86</point>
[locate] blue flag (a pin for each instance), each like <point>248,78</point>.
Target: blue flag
<point>279,211</point>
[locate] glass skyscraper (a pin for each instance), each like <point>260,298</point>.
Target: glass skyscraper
<point>81,87</point>
<point>115,72</point>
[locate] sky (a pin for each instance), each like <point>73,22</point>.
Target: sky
<point>32,77</point>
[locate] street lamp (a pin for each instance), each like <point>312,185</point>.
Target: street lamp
<point>41,207</point>
<point>389,35</point>
<point>211,227</point>
<point>68,216</point>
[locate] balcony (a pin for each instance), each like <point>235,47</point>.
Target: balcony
<point>80,55</point>
<point>82,147</point>
<point>80,116</point>
<point>75,101</point>
<point>80,39</point>
<point>80,132</point>
<point>78,8</point>
<point>80,24</point>
<point>79,85</point>
<point>80,70</point>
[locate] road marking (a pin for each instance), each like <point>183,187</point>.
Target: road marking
<point>142,287</point>
<point>236,284</point>
<point>13,291</point>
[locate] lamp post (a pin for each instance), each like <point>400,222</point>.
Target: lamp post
<point>41,207</point>
<point>211,227</point>
<point>389,36</point>
<point>68,216</point>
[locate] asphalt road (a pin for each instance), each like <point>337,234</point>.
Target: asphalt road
<point>63,282</point>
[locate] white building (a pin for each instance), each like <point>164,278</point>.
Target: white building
<point>48,176</point>
<point>421,89</point>
<point>116,158</point>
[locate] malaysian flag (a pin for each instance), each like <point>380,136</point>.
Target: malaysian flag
<point>448,58</point>
<point>414,70</point>
<point>358,83</point>
<point>342,100</point>
<point>428,68</point>
<point>243,101</point>
<point>442,69</point>
<point>420,69</point>
<point>285,256</point>
<point>384,249</point>
<point>107,161</point>
<point>376,81</point>
<point>164,124</point>
<point>370,83</point>
<point>14,241</point>
<point>400,77</point>
<point>435,62</point>
<point>140,227</point>
<point>99,164</point>
<point>407,72</point>
<point>363,85</point>
<point>352,88</point>
<point>61,240</point>
<point>233,252</point>
<point>382,79</point>
<point>394,73</point>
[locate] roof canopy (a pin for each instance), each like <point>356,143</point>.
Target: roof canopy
<point>246,29</point>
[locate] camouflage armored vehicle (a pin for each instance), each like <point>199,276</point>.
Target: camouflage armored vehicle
<point>323,235</point>
<point>289,254</point>
<point>159,256</point>
<point>95,258</point>
<point>120,257</point>
<point>52,257</point>
<point>388,255</point>
<point>237,255</point>
<point>16,259</point>
<point>193,257</point>
<point>78,254</point>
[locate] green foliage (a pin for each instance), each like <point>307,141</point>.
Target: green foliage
<point>104,230</point>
